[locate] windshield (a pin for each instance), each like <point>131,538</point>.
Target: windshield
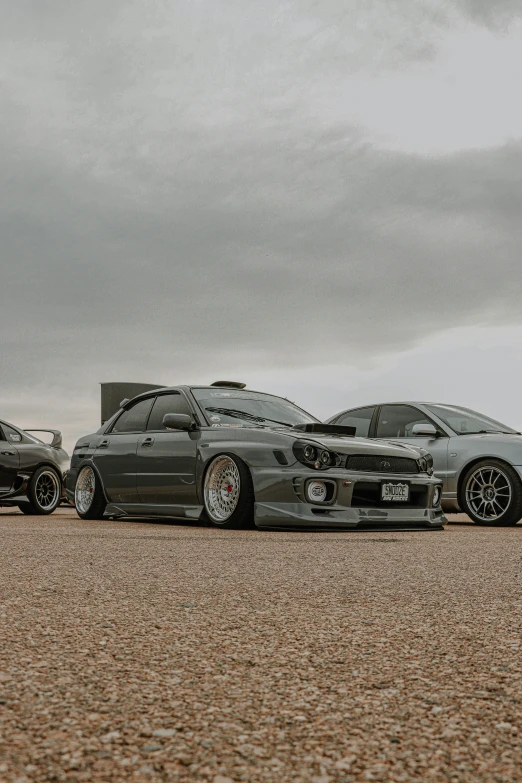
<point>231,408</point>
<point>465,422</point>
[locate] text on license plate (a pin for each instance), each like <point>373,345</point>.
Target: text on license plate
<point>395,492</point>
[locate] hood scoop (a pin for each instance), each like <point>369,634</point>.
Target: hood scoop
<point>326,429</point>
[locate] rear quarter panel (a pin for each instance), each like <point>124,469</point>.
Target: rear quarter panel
<point>32,456</point>
<point>82,453</point>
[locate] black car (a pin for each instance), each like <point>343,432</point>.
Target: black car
<point>32,472</point>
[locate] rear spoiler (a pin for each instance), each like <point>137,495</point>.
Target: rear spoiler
<point>326,429</point>
<point>56,442</point>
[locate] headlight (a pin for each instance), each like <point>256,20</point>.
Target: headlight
<point>313,456</point>
<point>310,452</point>
<point>437,494</point>
<point>425,463</point>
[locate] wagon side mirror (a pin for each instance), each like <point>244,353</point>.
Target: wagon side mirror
<point>177,421</point>
<point>424,430</point>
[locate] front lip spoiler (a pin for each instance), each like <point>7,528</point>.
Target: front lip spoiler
<point>338,517</point>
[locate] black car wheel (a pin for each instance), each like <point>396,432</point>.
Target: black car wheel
<point>89,499</point>
<point>491,494</point>
<point>44,492</point>
<point>228,493</point>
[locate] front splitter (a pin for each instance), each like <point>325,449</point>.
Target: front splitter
<point>299,515</point>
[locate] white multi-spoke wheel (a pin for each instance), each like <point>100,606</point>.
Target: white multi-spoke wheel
<point>491,494</point>
<point>84,490</point>
<point>88,495</point>
<point>228,493</point>
<point>44,492</point>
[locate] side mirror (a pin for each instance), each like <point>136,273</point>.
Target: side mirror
<point>425,430</point>
<point>177,421</point>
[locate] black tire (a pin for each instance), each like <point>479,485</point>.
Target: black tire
<point>42,502</point>
<point>513,510</point>
<point>98,502</point>
<point>243,515</point>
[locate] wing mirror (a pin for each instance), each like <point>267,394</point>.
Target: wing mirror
<point>425,430</point>
<point>177,421</point>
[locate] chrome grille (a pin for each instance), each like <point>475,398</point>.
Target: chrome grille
<point>376,464</point>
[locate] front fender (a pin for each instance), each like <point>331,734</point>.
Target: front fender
<point>255,453</point>
<point>256,449</point>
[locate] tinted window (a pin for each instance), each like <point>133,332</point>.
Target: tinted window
<point>11,435</point>
<point>396,421</point>
<point>464,421</point>
<point>242,408</point>
<point>360,419</point>
<point>134,419</point>
<point>167,403</point>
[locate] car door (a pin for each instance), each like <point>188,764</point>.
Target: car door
<point>9,461</point>
<point>395,422</point>
<point>167,458</point>
<point>115,455</point>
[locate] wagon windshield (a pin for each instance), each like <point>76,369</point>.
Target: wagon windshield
<point>466,422</point>
<point>238,408</point>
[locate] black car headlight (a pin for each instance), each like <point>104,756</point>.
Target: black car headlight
<point>425,463</point>
<point>314,455</point>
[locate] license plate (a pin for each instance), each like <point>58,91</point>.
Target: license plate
<point>395,493</point>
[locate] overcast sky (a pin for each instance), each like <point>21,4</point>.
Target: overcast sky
<point>319,197</point>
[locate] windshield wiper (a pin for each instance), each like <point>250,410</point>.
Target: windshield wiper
<point>489,432</point>
<point>246,416</point>
<point>236,414</point>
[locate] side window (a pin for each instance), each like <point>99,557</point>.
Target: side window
<point>167,403</point>
<point>396,421</point>
<point>10,434</point>
<point>134,419</point>
<point>360,419</point>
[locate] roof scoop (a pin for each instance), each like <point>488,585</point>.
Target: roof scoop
<point>326,429</point>
<point>229,384</point>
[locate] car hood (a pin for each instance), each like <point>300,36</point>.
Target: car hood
<point>494,437</point>
<point>349,445</point>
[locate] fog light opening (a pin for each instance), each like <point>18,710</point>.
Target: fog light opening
<point>316,491</point>
<point>437,494</point>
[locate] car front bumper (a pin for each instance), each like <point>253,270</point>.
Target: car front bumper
<point>281,500</point>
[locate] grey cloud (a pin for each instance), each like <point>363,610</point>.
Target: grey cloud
<point>175,203</point>
<point>493,13</point>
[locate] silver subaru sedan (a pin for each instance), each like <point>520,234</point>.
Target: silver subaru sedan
<point>478,459</point>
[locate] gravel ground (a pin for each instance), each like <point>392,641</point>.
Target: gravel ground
<point>164,652</point>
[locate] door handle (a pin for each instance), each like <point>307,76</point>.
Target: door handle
<point>103,444</point>
<point>9,453</point>
<point>147,442</point>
